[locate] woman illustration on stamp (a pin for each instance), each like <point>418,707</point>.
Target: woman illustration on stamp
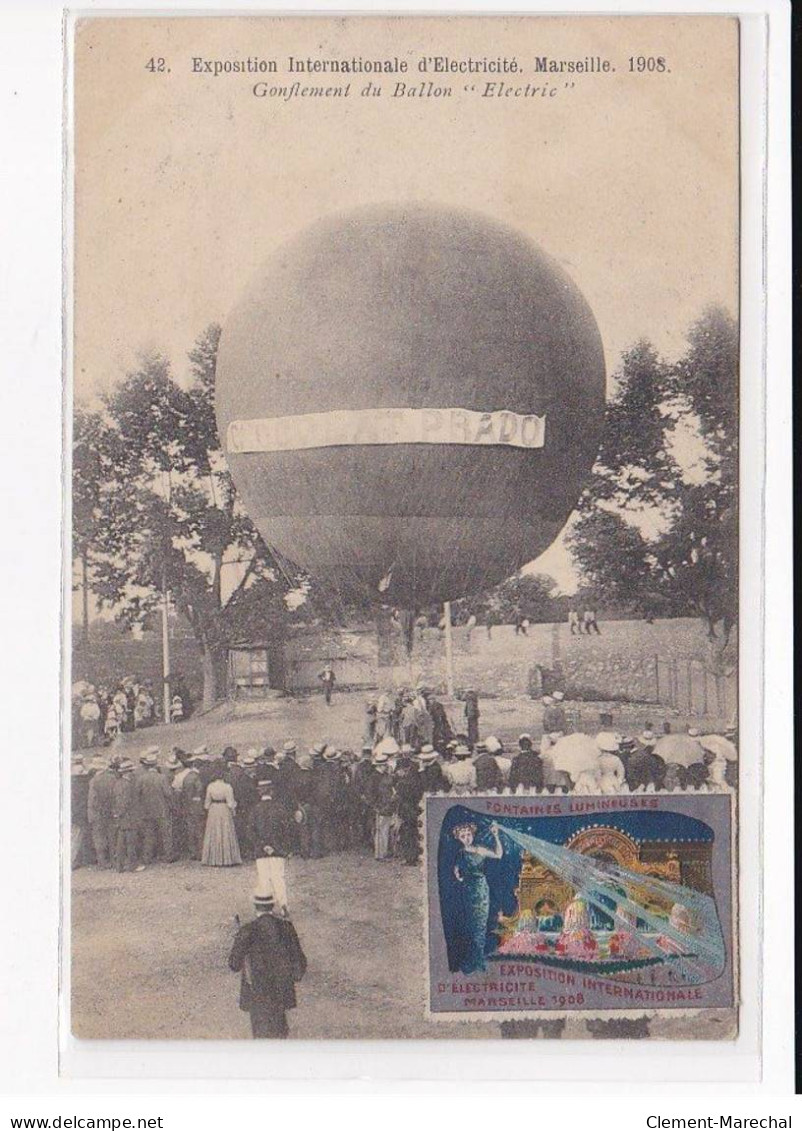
<point>470,872</point>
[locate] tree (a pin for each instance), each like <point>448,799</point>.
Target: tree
<point>177,521</point>
<point>97,495</point>
<point>657,525</point>
<point>524,596</point>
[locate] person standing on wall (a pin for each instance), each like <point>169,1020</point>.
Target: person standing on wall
<point>590,622</point>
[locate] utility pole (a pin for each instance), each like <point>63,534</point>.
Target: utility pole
<point>85,597</point>
<point>168,715</point>
<point>449,651</point>
<point>166,646</point>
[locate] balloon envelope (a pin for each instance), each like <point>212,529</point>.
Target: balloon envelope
<point>492,361</point>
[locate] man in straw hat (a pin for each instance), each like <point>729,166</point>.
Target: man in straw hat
<point>461,773</point>
<point>644,767</point>
<point>191,792</point>
<point>154,800</point>
<point>329,788</point>
<point>408,798</point>
<point>268,956</point>
<point>273,836</point>
<point>432,778</point>
<point>124,819</point>
<point>243,784</point>
<point>286,771</point>
<point>486,768</point>
<point>382,800</point>
<point>99,811</point>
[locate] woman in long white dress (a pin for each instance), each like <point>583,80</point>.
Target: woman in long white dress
<point>220,845</point>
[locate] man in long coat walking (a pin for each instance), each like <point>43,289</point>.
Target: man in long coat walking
<point>267,953</point>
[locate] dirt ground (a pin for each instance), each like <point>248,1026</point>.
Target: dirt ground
<point>149,955</point>
<point>149,949</point>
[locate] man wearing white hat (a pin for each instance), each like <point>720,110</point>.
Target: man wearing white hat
<point>124,818</point>
<point>486,768</point>
<point>645,767</point>
<point>273,834</point>
<point>286,775</point>
<point>433,780</point>
<point>388,746</point>
<point>329,793</point>
<point>242,780</point>
<point>495,748</point>
<point>189,786</point>
<point>461,773</point>
<point>268,954</point>
<point>154,800</point>
<point>382,800</point>
<point>99,810</point>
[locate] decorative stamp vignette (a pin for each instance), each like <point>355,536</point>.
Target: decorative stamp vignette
<point>606,906</point>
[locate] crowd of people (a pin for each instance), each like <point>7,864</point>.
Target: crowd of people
<point>267,804</point>
<point>101,713</point>
<point>222,809</point>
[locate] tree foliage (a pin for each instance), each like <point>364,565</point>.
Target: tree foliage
<point>155,506</point>
<point>529,596</point>
<point>658,523</point>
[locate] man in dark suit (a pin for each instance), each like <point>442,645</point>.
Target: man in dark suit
<point>193,815</point>
<point>330,789</point>
<point>99,809</point>
<point>643,766</point>
<point>408,791</point>
<point>286,774</point>
<point>154,800</point>
<point>267,953</point>
<point>527,769</point>
<point>79,812</point>
<point>124,819</point>
<point>328,679</point>
<point>488,774</point>
<point>246,794</point>
<point>441,727</point>
<point>273,836</point>
<point>432,778</point>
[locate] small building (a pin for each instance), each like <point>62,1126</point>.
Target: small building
<point>256,633</point>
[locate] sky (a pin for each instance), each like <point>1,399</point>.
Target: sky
<point>185,183</point>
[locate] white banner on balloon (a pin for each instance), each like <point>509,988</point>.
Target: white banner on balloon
<point>354,427</point>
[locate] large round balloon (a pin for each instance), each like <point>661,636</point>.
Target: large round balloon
<point>410,400</point>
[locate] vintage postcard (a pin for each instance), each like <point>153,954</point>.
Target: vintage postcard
<point>403,385</point>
